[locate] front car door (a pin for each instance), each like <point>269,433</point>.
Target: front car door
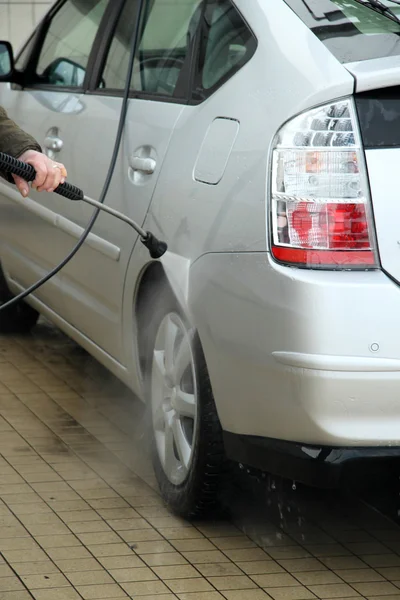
<point>57,64</point>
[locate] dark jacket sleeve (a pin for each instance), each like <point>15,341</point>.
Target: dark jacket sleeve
<point>13,140</point>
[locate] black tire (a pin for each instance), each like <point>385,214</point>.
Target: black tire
<point>20,318</point>
<point>197,496</point>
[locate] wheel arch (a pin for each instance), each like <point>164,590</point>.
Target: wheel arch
<point>171,280</point>
<point>153,280</point>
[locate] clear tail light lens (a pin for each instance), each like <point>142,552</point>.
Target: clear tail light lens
<point>321,210</point>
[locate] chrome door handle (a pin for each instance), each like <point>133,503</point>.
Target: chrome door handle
<point>55,144</point>
<point>145,165</point>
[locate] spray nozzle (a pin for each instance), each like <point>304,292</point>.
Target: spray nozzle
<point>156,247</point>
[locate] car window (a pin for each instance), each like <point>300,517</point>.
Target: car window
<point>25,53</point>
<point>228,44</point>
<point>116,67</point>
<point>166,35</point>
<point>66,49</point>
<point>351,32</point>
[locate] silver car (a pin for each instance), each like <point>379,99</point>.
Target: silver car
<point>262,142</point>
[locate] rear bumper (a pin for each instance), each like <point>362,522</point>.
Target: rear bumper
<point>318,466</point>
<point>298,355</point>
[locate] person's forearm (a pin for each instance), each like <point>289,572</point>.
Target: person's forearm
<point>13,140</point>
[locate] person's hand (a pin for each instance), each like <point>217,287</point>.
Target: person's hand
<point>49,174</point>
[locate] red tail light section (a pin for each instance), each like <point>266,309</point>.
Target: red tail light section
<point>321,214</point>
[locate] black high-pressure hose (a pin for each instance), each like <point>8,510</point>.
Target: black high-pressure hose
<point>107,182</point>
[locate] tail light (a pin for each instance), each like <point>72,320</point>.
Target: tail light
<point>321,210</point>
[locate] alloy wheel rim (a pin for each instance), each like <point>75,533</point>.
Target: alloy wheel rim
<point>174,398</point>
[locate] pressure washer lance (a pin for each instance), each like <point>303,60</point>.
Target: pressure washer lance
<point>9,164</point>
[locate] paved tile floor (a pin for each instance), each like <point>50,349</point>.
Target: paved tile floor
<point>80,516</point>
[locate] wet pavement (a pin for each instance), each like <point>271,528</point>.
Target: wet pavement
<point>81,518</point>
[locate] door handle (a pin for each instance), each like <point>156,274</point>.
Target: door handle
<point>55,144</point>
<point>145,165</point>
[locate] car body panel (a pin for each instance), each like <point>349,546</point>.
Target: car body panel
<point>299,355</point>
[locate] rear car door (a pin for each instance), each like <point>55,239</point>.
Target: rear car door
<point>37,233</point>
<point>94,283</point>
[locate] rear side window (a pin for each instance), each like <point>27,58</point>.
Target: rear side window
<point>168,29</point>
<point>227,44</point>
<point>350,31</point>
<point>167,33</point>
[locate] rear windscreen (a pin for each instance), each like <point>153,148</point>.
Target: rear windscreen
<point>352,32</point>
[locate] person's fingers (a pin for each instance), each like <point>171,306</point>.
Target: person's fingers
<point>59,179</point>
<point>55,181</point>
<point>41,173</point>
<point>64,173</point>
<point>50,181</point>
<point>22,186</point>
<point>49,174</point>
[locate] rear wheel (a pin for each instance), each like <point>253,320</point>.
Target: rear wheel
<point>188,454</point>
<point>19,318</point>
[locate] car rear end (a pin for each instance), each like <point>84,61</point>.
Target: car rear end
<point>324,391</point>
